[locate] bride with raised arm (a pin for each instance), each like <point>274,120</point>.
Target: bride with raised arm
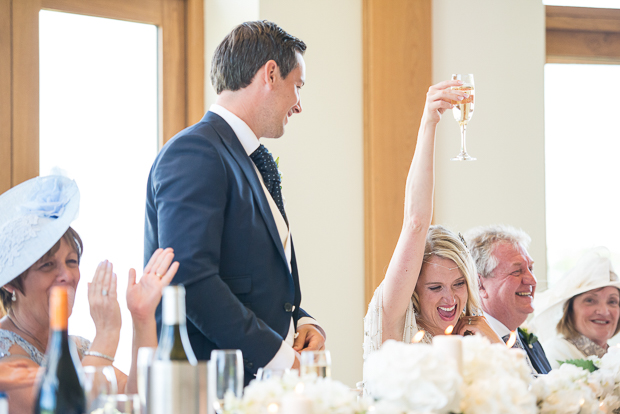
<point>431,282</point>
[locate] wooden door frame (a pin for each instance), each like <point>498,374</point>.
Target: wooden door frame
<point>397,48</point>
<point>181,65</point>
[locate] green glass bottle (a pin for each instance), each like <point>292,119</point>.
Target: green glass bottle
<point>174,343</point>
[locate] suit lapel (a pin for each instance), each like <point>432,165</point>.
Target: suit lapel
<point>235,148</point>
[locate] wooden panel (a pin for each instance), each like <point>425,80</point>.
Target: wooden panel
<point>5,95</point>
<point>172,47</point>
<point>25,90</point>
<point>583,19</point>
<point>596,46</point>
<point>143,11</point>
<point>195,61</point>
<point>397,74</point>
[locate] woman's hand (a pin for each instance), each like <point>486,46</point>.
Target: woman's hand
<point>439,98</point>
<point>104,308</point>
<point>17,373</point>
<point>469,325</point>
<point>143,297</point>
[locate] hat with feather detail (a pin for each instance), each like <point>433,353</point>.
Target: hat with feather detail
<point>34,215</point>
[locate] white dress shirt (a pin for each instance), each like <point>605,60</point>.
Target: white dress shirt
<point>285,356</point>
<point>501,330</point>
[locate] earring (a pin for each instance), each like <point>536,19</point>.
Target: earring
<point>14,298</point>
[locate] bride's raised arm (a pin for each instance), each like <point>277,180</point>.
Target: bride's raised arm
<point>404,269</point>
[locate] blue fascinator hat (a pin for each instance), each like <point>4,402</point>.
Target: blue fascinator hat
<point>34,215</point>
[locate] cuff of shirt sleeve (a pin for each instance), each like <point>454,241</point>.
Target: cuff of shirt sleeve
<point>283,359</point>
<point>309,321</point>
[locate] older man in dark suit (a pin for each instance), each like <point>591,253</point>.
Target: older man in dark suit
<point>507,285</point>
<point>214,196</point>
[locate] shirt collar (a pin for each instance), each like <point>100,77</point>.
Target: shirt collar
<point>243,132</point>
<point>499,328</point>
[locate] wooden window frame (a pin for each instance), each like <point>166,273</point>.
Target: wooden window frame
<point>181,66</point>
<point>582,35</point>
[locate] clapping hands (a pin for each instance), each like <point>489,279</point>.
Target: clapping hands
<point>144,296</point>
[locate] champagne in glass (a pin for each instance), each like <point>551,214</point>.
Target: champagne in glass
<point>316,362</point>
<point>463,111</point>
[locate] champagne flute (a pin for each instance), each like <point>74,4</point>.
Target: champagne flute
<point>316,362</point>
<point>463,111</point>
<point>226,376</point>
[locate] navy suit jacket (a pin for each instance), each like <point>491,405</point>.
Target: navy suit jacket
<point>537,355</point>
<point>205,200</point>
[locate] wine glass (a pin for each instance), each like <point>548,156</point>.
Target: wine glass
<point>100,382</point>
<point>463,111</point>
<point>226,376</point>
<point>144,362</point>
<point>122,404</point>
<point>316,362</point>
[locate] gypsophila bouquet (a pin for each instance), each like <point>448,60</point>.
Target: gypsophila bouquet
<point>566,390</point>
<point>413,378</point>
<point>495,379</point>
<point>327,395</point>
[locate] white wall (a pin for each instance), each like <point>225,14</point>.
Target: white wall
<point>321,161</point>
<point>502,43</point>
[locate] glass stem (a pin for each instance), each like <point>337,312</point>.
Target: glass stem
<point>463,134</point>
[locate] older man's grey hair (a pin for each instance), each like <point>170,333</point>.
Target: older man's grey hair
<point>482,241</point>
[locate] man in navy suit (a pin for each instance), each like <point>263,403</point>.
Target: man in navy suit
<point>507,285</point>
<point>214,196</point>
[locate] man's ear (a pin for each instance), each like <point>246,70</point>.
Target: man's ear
<point>482,290</point>
<point>270,73</point>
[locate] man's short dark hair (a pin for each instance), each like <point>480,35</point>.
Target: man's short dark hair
<point>247,48</point>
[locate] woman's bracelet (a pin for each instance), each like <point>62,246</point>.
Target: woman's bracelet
<point>98,354</point>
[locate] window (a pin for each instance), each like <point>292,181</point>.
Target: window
<point>581,137</point>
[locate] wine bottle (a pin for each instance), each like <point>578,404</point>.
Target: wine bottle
<point>60,389</point>
<point>174,343</point>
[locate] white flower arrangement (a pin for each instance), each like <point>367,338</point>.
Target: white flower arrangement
<point>566,390</point>
<point>416,378</point>
<point>413,378</point>
<point>327,395</point>
<point>495,379</point>
<point>605,381</point>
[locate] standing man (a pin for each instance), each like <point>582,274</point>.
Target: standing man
<point>507,285</point>
<point>214,195</point>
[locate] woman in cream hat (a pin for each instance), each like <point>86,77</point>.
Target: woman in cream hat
<point>576,317</point>
<point>39,250</point>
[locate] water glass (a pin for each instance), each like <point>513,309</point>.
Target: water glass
<point>100,382</point>
<point>225,376</point>
<point>264,374</point>
<point>318,363</point>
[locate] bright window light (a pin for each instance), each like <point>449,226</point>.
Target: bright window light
<point>98,106</point>
<point>582,145</point>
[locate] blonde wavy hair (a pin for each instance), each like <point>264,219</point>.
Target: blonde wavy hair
<point>445,244</point>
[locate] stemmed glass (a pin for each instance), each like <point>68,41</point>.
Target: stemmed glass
<point>225,376</point>
<point>316,362</point>
<point>100,383</point>
<point>463,111</point>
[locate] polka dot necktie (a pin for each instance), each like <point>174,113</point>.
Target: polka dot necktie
<point>271,176</point>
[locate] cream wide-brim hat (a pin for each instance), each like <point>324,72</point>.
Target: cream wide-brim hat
<point>593,271</point>
<point>34,215</point>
